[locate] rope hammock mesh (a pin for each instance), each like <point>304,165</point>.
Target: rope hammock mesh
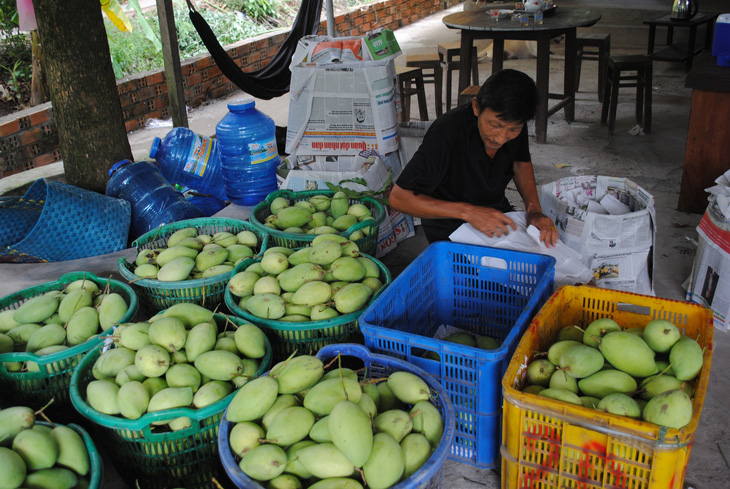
<point>273,79</point>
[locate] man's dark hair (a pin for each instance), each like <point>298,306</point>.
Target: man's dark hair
<point>511,94</point>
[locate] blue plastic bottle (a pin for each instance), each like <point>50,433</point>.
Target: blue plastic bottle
<point>154,201</point>
<point>249,156</point>
<point>190,160</point>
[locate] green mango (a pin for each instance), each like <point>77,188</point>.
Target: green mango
<point>111,362</point>
<point>169,333</point>
<point>351,431</point>
<point>210,258</point>
<point>628,353</point>
<point>571,333</point>
<point>589,402</point>
<point>298,374</point>
<point>248,238</point>
<point>211,392</point>
<point>339,204</point>
<point>52,478</point>
<point>324,395</point>
<point>312,294</point>
<point>322,312</point>
<point>395,422</point>
<point>48,335</point>
<point>244,437</point>
<point>282,402</point>
<point>83,325</point>
<point>252,400</point>
<point>154,385</point>
<point>620,404</point>
<point>219,364</point>
<point>336,483</point>
<point>7,322</point>
<point>13,420</point>
<point>200,339</point>
<point>13,469</point>
<point>266,306</point>
<point>343,223</point>
<point>325,460</point>
<point>408,388</point>
<point>561,380</point>
<point>386,463</point>
<point>461,338</point>
<point>561,395</point>
<point>7,345</point>
<point>325,252</point>
<point>173,252</point>
<point>187,312</point>
<point>661,335</point>
<point>581,361</point>
<point>267,285</point>
<point>686,358</point>
<point>416,450</point>
<point>152,360</point>
<point>292,216</point>
<point>598,329</point>
<point>176,269</point>
<point>292,279</point>
<point>294,465</point>
<point>102,396</point>
<point>386,398</point>
<point>605,382</point>
<point>38,449</point>
<point>352,297</point>
<point>183,375</point>
<point>284,481</point>
<point>72,302</point>
<point>278,204</point>
<point>112,309</point>
<point>22,333</point>
<point>299,257</point>
<point>134,336</point>
<point>291,425</point>
<point>320,431</point>
<point>180,235</point>
<point>147,256</point>
<point>264,462</point>
<point>242,283</point>
<point>36,309</point>
<point>133,399</point>
<point>558,348</point>
<point>672,409</point>
<point>128,374</point>
<point>172,397</point>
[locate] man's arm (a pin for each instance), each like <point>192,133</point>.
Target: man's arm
<point>487,220</point>
<point>527,187</point>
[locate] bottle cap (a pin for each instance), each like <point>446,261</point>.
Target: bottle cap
<point>242,104</point>
<point>117,166</point>
<point>155,147</point>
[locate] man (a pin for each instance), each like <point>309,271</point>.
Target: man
<point>468,157</point>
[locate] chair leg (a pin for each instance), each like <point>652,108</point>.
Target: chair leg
<point>606,97</point>
<point>602,71</point>
<point>421,95</point>
<point>438,83</point>
<point>449,64</point>
<point>578,63</point>
<point>614,100</point>
<point>640,82</point>
<point>475,66</point>
<point>647,100</point>
<point>405,102</point>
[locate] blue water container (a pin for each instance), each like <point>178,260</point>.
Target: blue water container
<point>249,156</point>
<point>721,41</point>
<point>190,160</point>
<point>154,201</point>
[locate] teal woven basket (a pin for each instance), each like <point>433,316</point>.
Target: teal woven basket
<point>149,458</point>
<point>51,381</point>
<point>306,338</point>
<point>367,244</point>
<point>54,222</point>
<point>155,295</point>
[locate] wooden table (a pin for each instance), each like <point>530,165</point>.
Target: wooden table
<point>679,52</point>
<point>478,24</point>
<point>708,136</point>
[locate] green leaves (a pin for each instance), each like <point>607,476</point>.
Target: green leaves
<point>354,194</point>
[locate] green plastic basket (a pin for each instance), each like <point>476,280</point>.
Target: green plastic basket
<point>151,459</point>
<point>367,244</point>
<point>306,338</point>
<point>154,295</point>
<point>51,381</point>
<point>96,467</point>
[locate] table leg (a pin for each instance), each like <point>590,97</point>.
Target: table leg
<point>497,54</point>
<point>542,81</point>
<point>670,35</point>
<point>465,60</point>
<point>652,36</point>
<point>708,33</point>
<point>571,52</point>
<point>691,47</point>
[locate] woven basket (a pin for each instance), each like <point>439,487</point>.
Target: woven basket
<point>54,221</point>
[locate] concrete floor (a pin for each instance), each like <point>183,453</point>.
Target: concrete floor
<point>580,148</point>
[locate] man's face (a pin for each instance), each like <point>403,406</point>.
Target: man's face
<point>493,130</point>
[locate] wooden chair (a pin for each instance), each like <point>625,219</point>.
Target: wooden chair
<point>634,70</point>
<point>449,54</point>
<point>410,82</point>
<point>433,73</point>
<point>468,94</point>
<point>595,47</point>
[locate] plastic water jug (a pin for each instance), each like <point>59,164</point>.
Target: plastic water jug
<point>190,160</point>
<point>154,201</point>
<point>249,155</point>
<point>721,40</point>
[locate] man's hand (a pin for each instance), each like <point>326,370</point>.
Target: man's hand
<point>490,221</point>
<point>548,231</point>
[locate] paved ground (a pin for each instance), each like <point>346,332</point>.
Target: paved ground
<point>579,148</point>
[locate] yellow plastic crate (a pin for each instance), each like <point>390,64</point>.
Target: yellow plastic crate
<point>550,444</point>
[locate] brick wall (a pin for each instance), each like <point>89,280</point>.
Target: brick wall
<point>29,139</point>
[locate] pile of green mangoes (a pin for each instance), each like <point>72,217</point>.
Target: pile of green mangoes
<point>319,214</point>
<point>301,426</point>
<point>35,455</point>
<point>177,358</point>
<point>643,373</point>
<point>190,255</point>
<point>58,320</point>
<point>314,283</point>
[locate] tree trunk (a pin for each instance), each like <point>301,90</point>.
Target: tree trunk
<point>83,90</point>
<point>38,78</point>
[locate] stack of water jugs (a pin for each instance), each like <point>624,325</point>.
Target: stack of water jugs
<point>193,176</point>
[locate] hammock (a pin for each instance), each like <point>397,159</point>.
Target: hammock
<point>274,78</point>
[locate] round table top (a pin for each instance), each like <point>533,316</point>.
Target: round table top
<point>562,18</point>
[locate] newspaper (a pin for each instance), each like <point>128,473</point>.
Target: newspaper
<point>618,248</point>
<point>710,282</point>
<point>341,107</point>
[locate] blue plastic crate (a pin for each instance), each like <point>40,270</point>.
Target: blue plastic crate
<point>427,477</point>
<point>486,291</point>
